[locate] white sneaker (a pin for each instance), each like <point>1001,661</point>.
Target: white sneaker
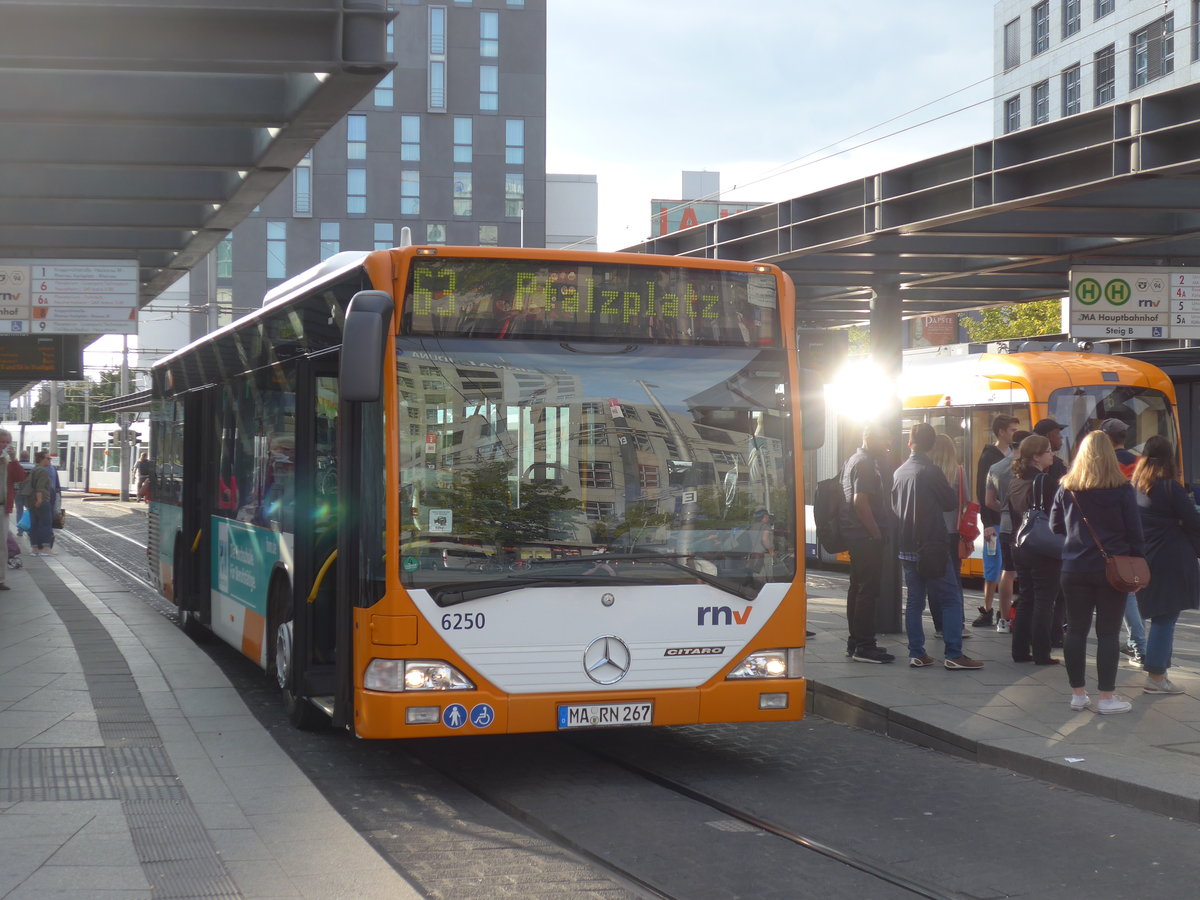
<point>1117,704</point>
<point>1079,701</point>
<point>1002,626</point>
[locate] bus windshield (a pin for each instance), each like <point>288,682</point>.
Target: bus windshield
<point>625,463</point>
<point>1146,411</point>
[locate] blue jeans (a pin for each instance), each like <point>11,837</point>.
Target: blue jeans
<point>1160,642</point>
<point>942,592</point>
<point>1136,625</point>
<point>41,526</point>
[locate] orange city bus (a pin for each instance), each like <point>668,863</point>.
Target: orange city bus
<point>960,395</point>
<point>446,491</point>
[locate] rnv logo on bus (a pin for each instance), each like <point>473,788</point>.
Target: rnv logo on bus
<point>718,613</point>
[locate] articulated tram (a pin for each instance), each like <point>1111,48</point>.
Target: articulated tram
<point>88,457</point>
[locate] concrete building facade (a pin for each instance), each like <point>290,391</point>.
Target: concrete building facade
<point>451,144</point>
<point>1056,58</point>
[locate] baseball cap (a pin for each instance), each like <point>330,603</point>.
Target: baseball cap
<point>1045,426</point>
<point>1113,426</point>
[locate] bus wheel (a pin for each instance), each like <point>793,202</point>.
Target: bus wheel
<point>189,623</point>
<point>281,664</point>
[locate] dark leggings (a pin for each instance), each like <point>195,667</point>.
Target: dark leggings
<point>1039,577</point>
<point>1089,592</point>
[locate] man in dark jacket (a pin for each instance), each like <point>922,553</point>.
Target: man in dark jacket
<point>920,494</point>
<point>866,523</point>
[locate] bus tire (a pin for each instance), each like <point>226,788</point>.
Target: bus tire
<point>299,711</point>
<point>189,622</point>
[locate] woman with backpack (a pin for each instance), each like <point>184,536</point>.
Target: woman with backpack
<point>41,506</point>
<point>1037,573</point>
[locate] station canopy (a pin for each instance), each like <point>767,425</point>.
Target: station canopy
<point>146,130</point>
<point>993,224</point>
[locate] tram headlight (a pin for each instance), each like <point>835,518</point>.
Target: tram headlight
<point>788,663</point>
<point>396,675</point>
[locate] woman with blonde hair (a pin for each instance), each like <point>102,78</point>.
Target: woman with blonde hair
<point>1095,498</point>
<point>1037,573</point>
<point>945,456</point>
<point>1172,528</point>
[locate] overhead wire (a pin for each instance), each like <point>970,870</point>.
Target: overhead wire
<point>837,148</point>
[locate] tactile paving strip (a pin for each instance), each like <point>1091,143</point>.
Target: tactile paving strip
<point>55,773</point>
<point>174,849</point>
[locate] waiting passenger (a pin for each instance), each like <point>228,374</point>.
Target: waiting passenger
<point>1172,529</point>
<point>1095,488</point>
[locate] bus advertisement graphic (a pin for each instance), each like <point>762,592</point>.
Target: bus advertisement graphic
<point>245,556</point>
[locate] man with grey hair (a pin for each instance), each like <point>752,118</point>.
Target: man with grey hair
<point>6,500</point>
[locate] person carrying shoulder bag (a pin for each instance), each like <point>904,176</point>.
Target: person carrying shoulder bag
<point>1038,572</point>
<point>41,506</point>
<point>1172,528</point>
<point>1096,509</point>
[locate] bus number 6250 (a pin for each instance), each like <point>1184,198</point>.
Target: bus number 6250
<point>462,621</point>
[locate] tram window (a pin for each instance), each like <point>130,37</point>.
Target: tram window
<point>1147,412</point>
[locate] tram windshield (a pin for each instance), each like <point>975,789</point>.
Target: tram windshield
<point>1146,411</point>
<point>541,463</point>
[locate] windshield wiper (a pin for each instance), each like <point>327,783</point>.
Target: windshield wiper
<point>666,559</point>
<point>466,591</point>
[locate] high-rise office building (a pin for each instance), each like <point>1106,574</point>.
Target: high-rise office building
<point>1055,58</point>
<point>451,144</point>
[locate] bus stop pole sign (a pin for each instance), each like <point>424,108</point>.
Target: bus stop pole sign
<point>1131,302</point>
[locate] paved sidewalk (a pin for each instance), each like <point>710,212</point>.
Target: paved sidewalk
<point>130,768</point>
<point>1013,715</point>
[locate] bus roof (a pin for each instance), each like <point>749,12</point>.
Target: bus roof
<point>940,381</point>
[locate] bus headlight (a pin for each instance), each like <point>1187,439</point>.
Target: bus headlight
<point>395,675</point>
<point>787,663</point>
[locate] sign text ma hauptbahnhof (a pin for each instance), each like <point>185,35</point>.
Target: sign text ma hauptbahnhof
<point>1135,303</point>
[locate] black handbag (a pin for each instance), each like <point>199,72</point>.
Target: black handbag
<point>1034,531</point>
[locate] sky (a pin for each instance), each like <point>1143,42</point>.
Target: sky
<point>640,90</point>
<point>782,97</point>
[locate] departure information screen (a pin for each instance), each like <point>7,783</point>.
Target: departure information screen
<point>500,298</point>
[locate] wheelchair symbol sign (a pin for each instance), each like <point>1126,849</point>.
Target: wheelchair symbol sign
<point>482,715</point>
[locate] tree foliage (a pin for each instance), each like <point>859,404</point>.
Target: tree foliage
<point>484,505</point>
<point>78,399</point>
<point>1023,320</point>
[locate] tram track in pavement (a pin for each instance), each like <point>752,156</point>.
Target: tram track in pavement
<point>570,815</point>
<point>741,819</point>
<point>708,816</point>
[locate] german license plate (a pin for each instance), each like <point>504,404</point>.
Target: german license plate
<point>605,715</point>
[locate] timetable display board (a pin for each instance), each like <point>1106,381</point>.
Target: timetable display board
<point>68,296</point>
<point>1130,303</point>
<point>28,358</point>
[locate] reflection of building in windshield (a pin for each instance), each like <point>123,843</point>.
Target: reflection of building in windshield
<point>626,463</point>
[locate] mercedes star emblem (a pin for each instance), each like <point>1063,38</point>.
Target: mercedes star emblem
<point>606,660</point>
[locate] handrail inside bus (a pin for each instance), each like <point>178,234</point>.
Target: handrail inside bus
<point>312,595</point>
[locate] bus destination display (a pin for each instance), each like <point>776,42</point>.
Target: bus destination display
<point>531,299</point>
